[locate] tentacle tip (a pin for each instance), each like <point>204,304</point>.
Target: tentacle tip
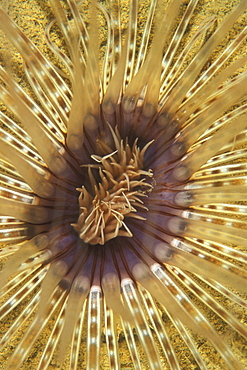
<point>74,142</point>
<point>183,199</point>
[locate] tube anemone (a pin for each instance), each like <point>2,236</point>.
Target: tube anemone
<point>123,190</point>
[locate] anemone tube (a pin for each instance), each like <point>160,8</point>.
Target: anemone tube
<point>123,189</point>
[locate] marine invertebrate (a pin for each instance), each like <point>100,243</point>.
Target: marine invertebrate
<point>122,187</point>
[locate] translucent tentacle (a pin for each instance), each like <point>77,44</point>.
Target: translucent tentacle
<point>111,339</point>
<point>94,328</point>
<point>131,295</point>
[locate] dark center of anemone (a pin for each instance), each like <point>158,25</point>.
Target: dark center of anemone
<point>118,195</point>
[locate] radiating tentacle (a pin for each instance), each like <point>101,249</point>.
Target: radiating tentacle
<point>111,339</point>
<point>94,328</point>
<point>133,301</point>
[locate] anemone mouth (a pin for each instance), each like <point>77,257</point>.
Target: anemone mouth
<point>124,182</point>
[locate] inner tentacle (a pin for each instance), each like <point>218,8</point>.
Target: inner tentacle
<point>123,183</point>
